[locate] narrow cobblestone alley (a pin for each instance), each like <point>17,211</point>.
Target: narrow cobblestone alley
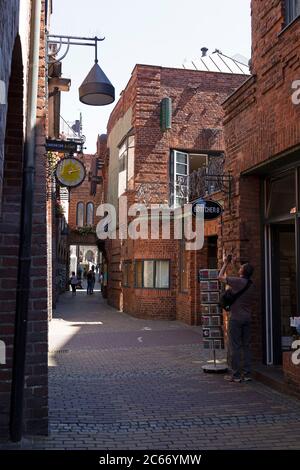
<point>121,383</point>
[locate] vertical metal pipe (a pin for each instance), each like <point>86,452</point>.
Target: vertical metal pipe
<point>23,283</point>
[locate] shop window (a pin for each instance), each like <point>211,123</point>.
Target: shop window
<point>90,213</point>
<point>80,214</point>
<point>126,164</point>
<point>183,268</point>
<point>126,273</point>
<point>281,196</point>
<point>292,10</point>
<point>152,274</point>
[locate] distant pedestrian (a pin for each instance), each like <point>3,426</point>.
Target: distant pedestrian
<point>93,278</point>
<point>73,283</point>
<point>101,278</point>
<point>90,281</point>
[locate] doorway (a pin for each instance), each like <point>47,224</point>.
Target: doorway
<point>284,286</point>
<point>282,261</point>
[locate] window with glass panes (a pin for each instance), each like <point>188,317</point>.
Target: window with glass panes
<point>187,172</point>
<point>152,274</point>
<point>292,10</point>
<point>179,171</point>
<point>126,163</point>
<point>90,213</point>
<point>80,214</point>
<point>126,273</point>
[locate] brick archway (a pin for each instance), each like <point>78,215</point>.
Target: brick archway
<point>10,214</point>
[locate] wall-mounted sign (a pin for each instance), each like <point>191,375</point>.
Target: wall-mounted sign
<point>70,172</point>
<point>211,209</point>
<point>63,146</point>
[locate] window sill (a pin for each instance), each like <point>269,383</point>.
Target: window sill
<point>153,288</point>
<point>286,27</point>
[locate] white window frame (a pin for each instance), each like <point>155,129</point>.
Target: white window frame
<point>175,186</point>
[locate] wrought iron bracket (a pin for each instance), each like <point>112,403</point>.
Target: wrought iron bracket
<point>69,41</point>
<point>224,182</point>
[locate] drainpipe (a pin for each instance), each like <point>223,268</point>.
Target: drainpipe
<point>24,264</point>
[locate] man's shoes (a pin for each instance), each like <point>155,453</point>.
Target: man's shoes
<point>231,378</point>
<point>247,378</point>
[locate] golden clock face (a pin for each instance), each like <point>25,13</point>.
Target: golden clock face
<point>70,172</point>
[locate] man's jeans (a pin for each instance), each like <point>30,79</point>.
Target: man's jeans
<point>89,287</point>
<point>239,344</point>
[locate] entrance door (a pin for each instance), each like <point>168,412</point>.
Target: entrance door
<point>284,286</point>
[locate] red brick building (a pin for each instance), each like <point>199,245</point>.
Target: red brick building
<point>23,207</point>
<point>166,128</point>
<point>262,131</point>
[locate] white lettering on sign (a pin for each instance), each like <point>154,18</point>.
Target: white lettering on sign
<point>2,353</point>
<point>296,94</point>
<point>212,210</point>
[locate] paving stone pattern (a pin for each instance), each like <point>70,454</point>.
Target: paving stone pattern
<point>119,383</point>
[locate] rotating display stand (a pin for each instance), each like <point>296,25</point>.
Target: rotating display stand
<point>212,318</point>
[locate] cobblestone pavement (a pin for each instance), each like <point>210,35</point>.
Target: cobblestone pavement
<point>117,382</point>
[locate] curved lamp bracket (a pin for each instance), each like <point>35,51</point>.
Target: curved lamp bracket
<point>70,41</point>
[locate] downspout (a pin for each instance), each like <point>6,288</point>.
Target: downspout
<point>24,262</point>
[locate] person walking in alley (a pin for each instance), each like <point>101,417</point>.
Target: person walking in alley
<point>93,278</point>
<point>90,281</point>
<point>101,278</point>
<point>239,327</point>
<point>73,283</point>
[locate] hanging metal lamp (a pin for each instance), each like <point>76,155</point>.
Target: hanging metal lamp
<point>96,90</point>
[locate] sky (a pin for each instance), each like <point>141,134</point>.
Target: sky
<point>156,32</point>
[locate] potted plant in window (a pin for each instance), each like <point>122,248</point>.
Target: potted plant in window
<point>59,210</point>
<point>86,230</point>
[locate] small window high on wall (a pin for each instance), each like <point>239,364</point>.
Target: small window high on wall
<point>292,10</point>
<point>80,214</point>
<point>90,213</point>
<point>126,164</point>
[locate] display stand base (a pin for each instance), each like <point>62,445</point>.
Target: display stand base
<point>215,368</point>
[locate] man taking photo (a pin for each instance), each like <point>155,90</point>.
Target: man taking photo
<point>239,327</point>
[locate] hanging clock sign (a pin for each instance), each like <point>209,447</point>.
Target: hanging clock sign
<point>70,172</point>
<point>211,209</point>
